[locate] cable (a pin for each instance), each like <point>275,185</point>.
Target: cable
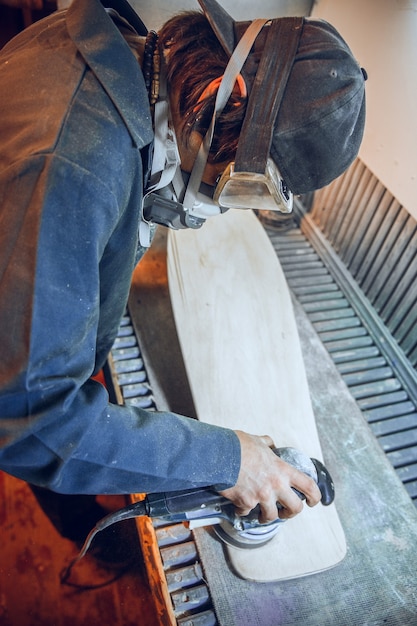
<point>137,509</point>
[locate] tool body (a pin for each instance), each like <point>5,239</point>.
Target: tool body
<point>206,507</point>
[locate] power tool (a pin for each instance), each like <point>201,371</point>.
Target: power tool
<point>206,507</point>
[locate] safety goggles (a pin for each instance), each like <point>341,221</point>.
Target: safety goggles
<point>251,190</point>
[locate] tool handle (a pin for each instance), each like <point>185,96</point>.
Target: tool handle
<point>324,483</point>
<point>177,502</point>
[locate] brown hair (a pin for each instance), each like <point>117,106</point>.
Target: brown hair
<point>194,59</point>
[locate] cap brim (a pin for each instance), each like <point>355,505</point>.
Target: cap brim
<point>221,22</point>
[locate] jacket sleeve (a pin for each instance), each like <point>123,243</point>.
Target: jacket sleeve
<point>67,250</point>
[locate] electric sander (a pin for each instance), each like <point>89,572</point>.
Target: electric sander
<point>206,507</point>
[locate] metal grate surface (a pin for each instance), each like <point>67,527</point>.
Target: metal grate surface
<point>376,240</point>
<point>368,372</point>
<point>190,596</point>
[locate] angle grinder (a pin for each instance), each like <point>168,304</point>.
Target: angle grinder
<point>206,507</point>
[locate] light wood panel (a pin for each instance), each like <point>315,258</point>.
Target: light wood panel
<point>242,354</point>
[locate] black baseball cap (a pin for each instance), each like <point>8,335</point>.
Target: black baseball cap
<point>319,125</point>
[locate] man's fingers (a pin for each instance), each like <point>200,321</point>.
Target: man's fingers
<point>308,487</point>
<point>269,513</point>
<point>266,479</point>
<point>242,512</point>
<point>290,501</point>
<point>267,440</point>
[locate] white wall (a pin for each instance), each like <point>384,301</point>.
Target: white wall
<point>383,36</point>
<point>155,13</point>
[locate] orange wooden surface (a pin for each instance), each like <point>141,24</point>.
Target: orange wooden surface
<point>32,556</point>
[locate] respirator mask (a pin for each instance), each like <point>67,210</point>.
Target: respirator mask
<point>252,181</point>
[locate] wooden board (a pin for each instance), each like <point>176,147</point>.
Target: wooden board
<point>242,354</point>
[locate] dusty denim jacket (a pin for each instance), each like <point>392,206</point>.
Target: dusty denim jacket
<point>74,117</point>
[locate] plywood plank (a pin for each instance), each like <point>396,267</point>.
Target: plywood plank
<point>244,363</point>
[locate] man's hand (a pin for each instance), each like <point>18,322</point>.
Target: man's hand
<point>265,479</point>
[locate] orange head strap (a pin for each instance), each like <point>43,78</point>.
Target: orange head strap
<point>239,88</point>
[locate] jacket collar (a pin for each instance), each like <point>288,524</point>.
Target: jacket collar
<point>108,55</point>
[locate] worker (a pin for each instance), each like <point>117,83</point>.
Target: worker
<point>100,123</point>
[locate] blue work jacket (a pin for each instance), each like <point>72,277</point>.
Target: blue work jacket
<point>74,118</point>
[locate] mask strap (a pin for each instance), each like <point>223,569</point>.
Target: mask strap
<point>165,155</point>
<point>214,86</point>
<point>230,75</point>
<point>271,80</point>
